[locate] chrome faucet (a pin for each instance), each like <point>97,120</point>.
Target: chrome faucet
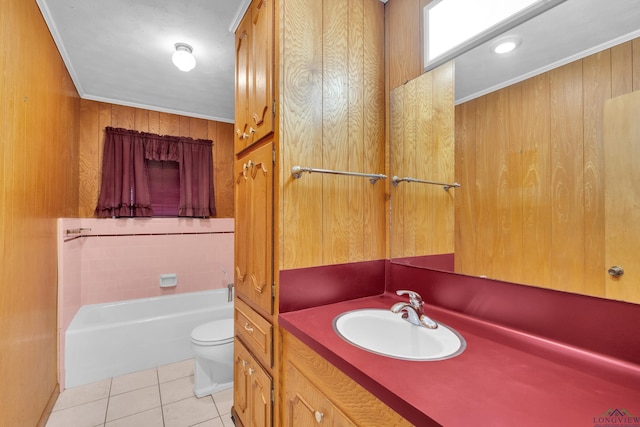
<point>413,311</point>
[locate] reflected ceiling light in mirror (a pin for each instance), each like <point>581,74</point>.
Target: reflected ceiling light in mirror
<point>506,44</point>
<point>183,57</point>
<point>452,27</point>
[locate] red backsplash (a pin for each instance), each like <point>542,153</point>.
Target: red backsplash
<point>314,286</point>
<point>594,324</point>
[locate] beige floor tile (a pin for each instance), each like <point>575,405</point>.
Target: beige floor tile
<point>134,381</point>
<point>133,402</point>
<point>172,391</point>
<point>88,415</point>
<point>227,421</point>
<point>150,418</point>
<point>83,394</point>
<point>176,370</point>
<point>189,411</point>
<point>216,422</point>
<point>224,401</point>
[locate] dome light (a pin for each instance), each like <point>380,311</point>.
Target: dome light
<point>183,57</point>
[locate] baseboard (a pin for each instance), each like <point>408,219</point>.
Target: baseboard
<point>50,404</point>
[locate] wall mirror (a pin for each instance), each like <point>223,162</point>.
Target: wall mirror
<point>526,141</point>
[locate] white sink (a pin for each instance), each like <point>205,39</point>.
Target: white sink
<point>388,334</point>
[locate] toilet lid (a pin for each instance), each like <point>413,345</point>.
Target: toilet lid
<point>212,333</point>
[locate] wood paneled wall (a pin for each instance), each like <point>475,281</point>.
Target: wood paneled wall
<point>422,147</point>
<point>331,115</point>
<point>95,116</point>
<point>531,159</point>
<point>39,116</point>
<point>403,35</point>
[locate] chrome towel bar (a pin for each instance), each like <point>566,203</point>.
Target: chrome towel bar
<point>444,185</point>
<point>297,171</point>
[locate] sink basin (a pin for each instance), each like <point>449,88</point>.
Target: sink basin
<point>388,334</point>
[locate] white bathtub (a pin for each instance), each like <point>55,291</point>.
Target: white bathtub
<point>111,339</point>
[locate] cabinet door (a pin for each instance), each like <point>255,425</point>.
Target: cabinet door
<point>252,390</point>
<point>254,214</point>
<point>261,71</point>
<point>241,382</point>
<point>261,407</point>
<point>307,406</point>
<point>243,55</point>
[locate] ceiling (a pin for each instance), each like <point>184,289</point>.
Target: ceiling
<point>569,31</point>
<point>119,51</point>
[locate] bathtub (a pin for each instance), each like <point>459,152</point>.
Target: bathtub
<point>117,338</point>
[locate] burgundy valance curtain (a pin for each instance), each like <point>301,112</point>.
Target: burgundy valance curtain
<point>124,191</point>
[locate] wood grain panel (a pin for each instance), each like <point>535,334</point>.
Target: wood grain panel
<point>375,114</point>
<point>355,130</point>
<point>96,116</point>
<point>488,215</point>
<point>514,178</point>
<point>301,135</point>
<point>410,152</point>
<point>443,157</point>
<point>597,89</point>
<point>90,157</point>
<point>404,56</point>
<point>331,66</point>
<point>622,69</point>
<point>465,172</point>
<point>567,179</point>
<point>39,118</point>
<point>422,141</point>
<point>335,130</point>
<point>396,135</point>
<point>222,174</point>
<point>557,120</point>
<point>536,181</point>
<point>426,163</point>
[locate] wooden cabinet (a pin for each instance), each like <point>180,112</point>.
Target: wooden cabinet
<point>315,389</point>
<point>254,108</point>
<point>254,228</point>
<point>307,406</point>
<point>321,63</point>
<point>253,390</point>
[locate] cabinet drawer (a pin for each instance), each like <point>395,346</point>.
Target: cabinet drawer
<point>254,331</point>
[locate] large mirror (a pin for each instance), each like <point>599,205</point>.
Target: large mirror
<point>528,142</point>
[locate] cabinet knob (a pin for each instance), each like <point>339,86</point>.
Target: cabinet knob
<point>616,271</point>
<point>244,363</point>
<point>247,327</point>
<point>251,131</point>
<point>319,416</point>
<point>251,371</point>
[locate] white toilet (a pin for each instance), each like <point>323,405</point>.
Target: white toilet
<point>212,345</point>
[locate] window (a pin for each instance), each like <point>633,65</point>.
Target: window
<point>164,187</point>
<point>143,174</point>
<point>452,27</point>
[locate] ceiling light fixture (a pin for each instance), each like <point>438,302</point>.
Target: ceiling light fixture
<point>183,57</point>
<point>506,44</point>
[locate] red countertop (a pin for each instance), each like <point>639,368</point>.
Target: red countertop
<point>503,378</point>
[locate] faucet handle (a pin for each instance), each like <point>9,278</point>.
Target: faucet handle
<point>414,298</point>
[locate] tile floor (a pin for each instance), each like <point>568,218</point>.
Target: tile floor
<point>159,397</point>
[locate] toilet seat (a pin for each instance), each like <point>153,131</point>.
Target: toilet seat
<point>214,333</point>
